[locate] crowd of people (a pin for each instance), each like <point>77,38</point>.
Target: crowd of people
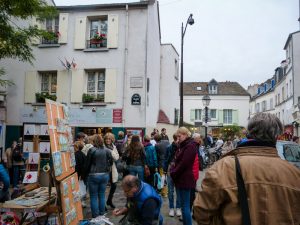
<point>250,183</point>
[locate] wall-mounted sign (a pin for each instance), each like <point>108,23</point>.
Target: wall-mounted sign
<point>135,99</point>
<point>136,82</point>
<point>117,115</point>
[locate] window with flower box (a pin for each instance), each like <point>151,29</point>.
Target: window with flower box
<point>98,33</point>
<point>48,87</point>
<point>95,87</point>
<point>52,27</point>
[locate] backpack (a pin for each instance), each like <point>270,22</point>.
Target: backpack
<point>120,146</point>
<point>17,154</point>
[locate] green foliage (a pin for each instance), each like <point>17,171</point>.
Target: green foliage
<point>15,40</point>
<point>2,81</point>
<point>230,131</point>
<point>41,97</point>
<point>86,98</point>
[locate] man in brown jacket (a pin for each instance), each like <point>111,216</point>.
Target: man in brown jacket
<point>272,184</point>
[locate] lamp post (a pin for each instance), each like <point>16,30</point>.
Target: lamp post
<point>206,100</point>
<point>189,21</point>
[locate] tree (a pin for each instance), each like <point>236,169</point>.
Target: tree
<point>15,40</point>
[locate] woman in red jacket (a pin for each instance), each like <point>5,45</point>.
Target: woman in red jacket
<point>185,171</point>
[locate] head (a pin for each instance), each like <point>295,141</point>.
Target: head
<point>97,140</point>
<point>265,127</point>
<point>130,185</point>
<point>80,136</point>
<point>182,134</point>
<point>157,137</point>
<point>14,144</point>
<point>163,131</point>
<point>175,137</point>
<point>152,135</point>
<point>147,139</point>
<point>109,139</point>
<point>197,138</point>
<point>120,135</point>
<point>135,141</point>
<point>155,131</point>
<point>296,139</point>
<point>78,145</point>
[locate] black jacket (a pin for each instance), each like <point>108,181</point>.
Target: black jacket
<point>99,160</point>
<point>80,163</point>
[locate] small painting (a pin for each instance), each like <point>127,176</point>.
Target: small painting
<point>44,147</point>
<point>34,158</point>
<point>27,146</point>
<point>29,129</point>
<point>30,177</point>
<point>44,130</point>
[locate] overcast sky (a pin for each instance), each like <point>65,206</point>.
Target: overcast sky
<point>234,40</point>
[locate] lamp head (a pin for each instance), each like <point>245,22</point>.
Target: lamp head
<point>206,100</point>
<point>191,20</point>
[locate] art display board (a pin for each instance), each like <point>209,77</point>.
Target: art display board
<point>70,200</point>
<point>61,140</point>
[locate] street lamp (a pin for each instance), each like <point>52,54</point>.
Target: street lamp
<point>189,21</point>
<point>206,100</point>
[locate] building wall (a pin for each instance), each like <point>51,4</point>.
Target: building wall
<point>218,102</point>
<point>296,66</point>
<point>169,82</point>
<point>259,100</point>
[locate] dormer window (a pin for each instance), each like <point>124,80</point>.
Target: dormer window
<point>272,83</point>
<point>212,89</point>
<point>199,88</point>
<point>258,90</point>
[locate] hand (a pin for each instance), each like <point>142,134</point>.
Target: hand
<point>118,212</point>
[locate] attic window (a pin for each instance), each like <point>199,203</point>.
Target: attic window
<point>212,89</point>
<point>198,88</point>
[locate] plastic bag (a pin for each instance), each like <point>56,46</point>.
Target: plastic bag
<point>82,188</point>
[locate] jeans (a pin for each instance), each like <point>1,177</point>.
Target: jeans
<point>17,172</point>
<point>184,195</point>
<point>136,170</point>
<point>97,185</point>
<point>171,188</point>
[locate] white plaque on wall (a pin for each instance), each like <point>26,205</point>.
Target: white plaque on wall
<point>136,82</point>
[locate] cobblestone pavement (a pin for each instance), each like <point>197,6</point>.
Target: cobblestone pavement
<point>119,201</point>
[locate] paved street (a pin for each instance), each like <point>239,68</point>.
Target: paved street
<point>119,201</point>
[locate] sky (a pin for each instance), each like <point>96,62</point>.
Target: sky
<point>231,40</point>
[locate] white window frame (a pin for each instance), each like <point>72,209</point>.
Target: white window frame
<point>198,114</point>
<point>98,77</point>
<point>52,80</point>
<point>227,116</point>
<point>263,106</point>
<point>212,89</point>
<point>102,28</point>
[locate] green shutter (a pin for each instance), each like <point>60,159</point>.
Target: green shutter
<point>192,115</point>
<point>220,116</point>
<point>235,117</point>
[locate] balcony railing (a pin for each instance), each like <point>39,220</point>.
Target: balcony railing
<point>96,43</point>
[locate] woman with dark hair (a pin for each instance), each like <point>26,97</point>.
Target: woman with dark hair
<point>109,139</point>
<point>135,157</point>
<point>97,169</point>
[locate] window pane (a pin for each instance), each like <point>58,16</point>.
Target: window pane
<point>53,83</point>
<point>49,25</point>
<point>91,76</point>
<point>101,86</point>
<point>213,113</point>
<point>94,28</point>
<point>91,87</point>
<point>101,77</point>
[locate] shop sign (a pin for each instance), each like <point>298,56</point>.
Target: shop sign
<point>117,115</point>
<point>136,99</point>
<point>136,82</point>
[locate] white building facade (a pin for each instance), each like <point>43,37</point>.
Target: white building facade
<point>113,76</point>
<point>229,104</point>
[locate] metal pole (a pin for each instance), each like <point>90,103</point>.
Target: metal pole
<point>206,117</point>
<point>181,81</point>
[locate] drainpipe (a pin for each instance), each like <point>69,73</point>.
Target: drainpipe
<point>146,102</point>
<point>125,65</point>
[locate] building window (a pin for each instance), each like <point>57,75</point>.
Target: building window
<point>212,89</point>
<point>282,93</point>
<point>96,85</point>
<point>52,26</point>
<point>48,82</point>
<point>271,103</point>
<point>213,113</point>
<point>227,116</point>
<point>198,114</point>
<point>98,33</point>
<point>264,106</point>
<point>257,107</point>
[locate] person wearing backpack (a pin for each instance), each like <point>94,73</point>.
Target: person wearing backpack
<point>18,162</point>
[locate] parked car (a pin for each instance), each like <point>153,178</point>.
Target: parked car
<point>289,151</point>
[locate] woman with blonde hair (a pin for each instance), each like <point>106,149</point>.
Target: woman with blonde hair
<point>185,171</point>
<point>109,139</point>
<point>97,169</point>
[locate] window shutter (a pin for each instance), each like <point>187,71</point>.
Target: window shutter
<point>220,116</point>
<point>110,85</point>
<point>235,117</point>
<point>63,86</point>
<point>63,28</point>
<point>78,85</point>
<point>192,115</point>
<point>31,86</point>
<point>113,31</point>
<point>80,33</point>
<point>37,23</point>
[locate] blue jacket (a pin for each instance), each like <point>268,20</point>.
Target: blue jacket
<point>146,192</point>
<point>4,177</point>
<point>151,156</point>
<point>170,154</point>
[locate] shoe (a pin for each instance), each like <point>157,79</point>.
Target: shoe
<point>171,213</point>
<point>109,203</point>
<point>178,212</point>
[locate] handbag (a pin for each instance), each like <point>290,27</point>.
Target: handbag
<point>121,165</point>
<point>242,194</point>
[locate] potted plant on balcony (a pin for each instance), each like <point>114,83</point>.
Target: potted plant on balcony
<point>98,39</point>
<point>40,97</point>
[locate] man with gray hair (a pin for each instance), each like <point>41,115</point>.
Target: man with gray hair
<point>251,184</point>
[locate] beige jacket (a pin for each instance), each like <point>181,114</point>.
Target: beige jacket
<point>114,171</point>
<point>272,184</point>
